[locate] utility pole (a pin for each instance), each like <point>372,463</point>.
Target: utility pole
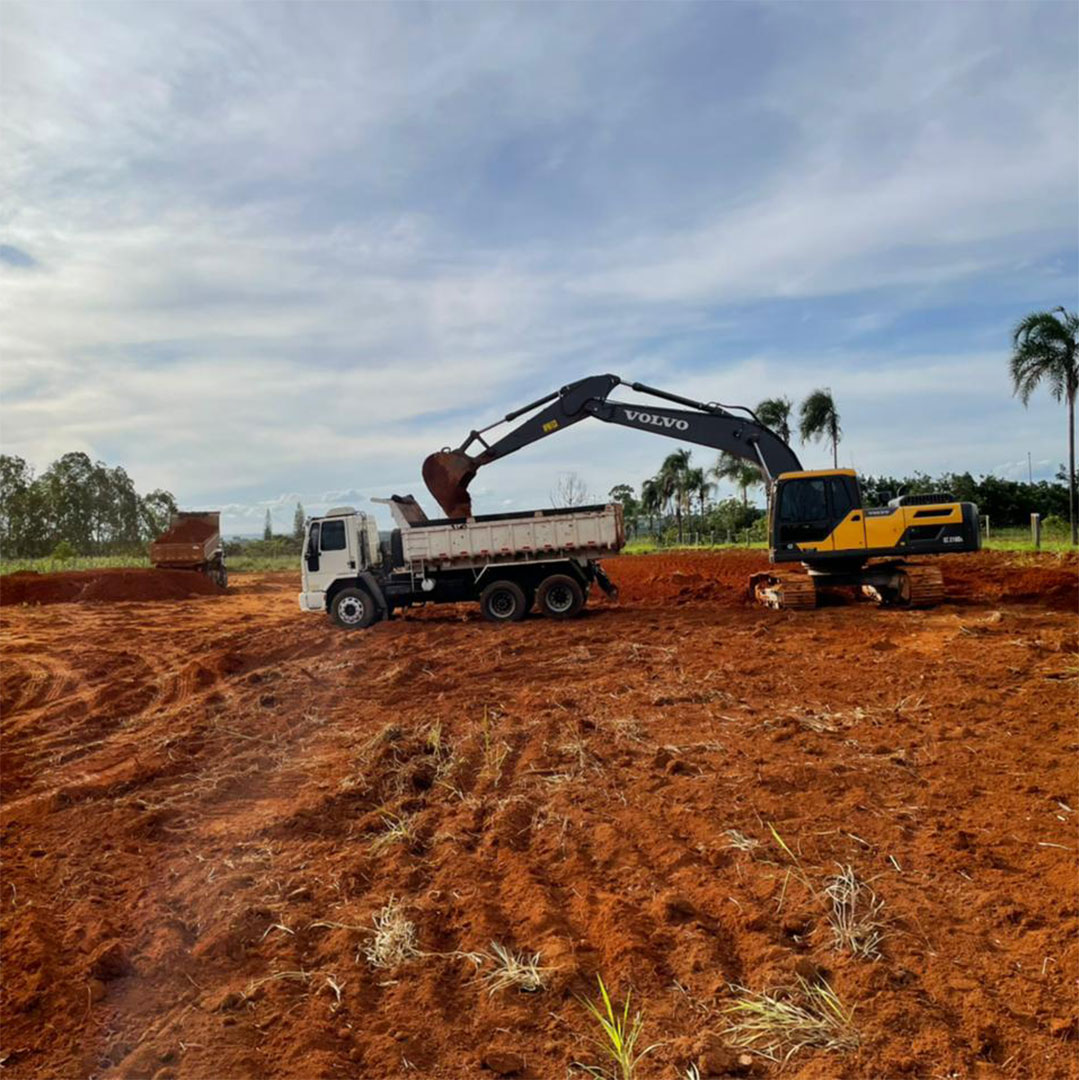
<point>1030,469</point>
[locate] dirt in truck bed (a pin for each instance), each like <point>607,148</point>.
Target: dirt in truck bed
<point>188,530</point>
<point>208,803</point>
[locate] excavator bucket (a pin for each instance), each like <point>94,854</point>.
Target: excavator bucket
<point>447,474</point>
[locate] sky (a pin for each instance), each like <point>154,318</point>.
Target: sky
<point>275,252</point>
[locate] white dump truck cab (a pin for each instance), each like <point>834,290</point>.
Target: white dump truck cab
<point>342,546</point>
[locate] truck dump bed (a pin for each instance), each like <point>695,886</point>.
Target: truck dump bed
<point>192,540</point>
<point>582,532</point>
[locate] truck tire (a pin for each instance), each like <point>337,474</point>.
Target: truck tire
<point>503,601</point>
<point>353,609</point>
<point>560,596</point>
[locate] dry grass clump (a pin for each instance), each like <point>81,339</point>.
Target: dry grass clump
<point>740,841</point>
<point>393,939</point>
<point>855,919</point>
<point>398,830</point>
<point>777,1024</point>
<point>516,970</point>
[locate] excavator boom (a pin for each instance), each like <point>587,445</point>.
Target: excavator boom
<point>447,473</point>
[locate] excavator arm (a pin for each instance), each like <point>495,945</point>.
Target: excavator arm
<point>448,473</point>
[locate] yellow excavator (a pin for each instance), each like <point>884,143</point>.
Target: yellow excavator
<point>815,517</point>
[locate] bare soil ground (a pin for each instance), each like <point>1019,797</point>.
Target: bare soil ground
<point>206,801</point>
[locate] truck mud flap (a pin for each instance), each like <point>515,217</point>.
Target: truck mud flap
<point>367,579</point>
<point>605,582</point>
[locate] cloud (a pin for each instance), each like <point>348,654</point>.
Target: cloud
<point>300,246</point>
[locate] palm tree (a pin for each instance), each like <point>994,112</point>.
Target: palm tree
<point>1044,348</point>
<point>819,419</point>
<point>698,483</point>
<point>672,481</point>
<point>740,473</point>
<point>775,413</point>
<point>651,501</point>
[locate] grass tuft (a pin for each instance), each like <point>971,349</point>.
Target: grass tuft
<point>520,971</point>
<point>777,1024</point>
<point>393,939</point>
<point>857,926</point>
<point>621,1033</point>
<point>398,830</point>
<point>740,841</point>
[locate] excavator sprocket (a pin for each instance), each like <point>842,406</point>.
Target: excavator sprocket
<point>784,591</point>
<point>923,587</point>
<point>905,585</point>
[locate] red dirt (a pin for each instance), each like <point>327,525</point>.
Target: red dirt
<point>192,792</point>
<point>80,586</point>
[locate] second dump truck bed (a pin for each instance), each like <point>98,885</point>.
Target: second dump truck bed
<point>193,542</point>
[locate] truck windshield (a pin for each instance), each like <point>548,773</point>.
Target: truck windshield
<point>333,536</point>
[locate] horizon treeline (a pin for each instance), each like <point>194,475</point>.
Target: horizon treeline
<point>679,497</point>
<point>80,506</point>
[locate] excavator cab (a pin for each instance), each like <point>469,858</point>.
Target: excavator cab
<point>818,511</point>
<point>818,518</point>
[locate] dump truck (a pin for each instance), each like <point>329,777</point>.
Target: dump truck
<point>508,563</point>
<point>192,542</point>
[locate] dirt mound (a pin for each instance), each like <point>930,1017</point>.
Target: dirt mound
<point>80,586</point>
<point>996,577</point>
<point>682,577</point>
<point>999,577</point>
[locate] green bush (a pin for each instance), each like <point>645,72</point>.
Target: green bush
<point>1055,528</point>
<point>63,551</point>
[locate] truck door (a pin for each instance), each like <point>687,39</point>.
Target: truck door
<point>337,557</point>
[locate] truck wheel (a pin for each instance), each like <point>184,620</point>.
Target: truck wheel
<point>503,601</point>
<point>353,609</point>
<point>561,596</point>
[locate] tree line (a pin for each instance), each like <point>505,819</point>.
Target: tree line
<point>677,500</point>
<point>78,506</point>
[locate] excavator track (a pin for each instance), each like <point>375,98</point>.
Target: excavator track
<point>923,586</point>
<point>788,592</point>
<point>904,585</point>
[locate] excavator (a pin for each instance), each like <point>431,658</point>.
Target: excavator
<point>815,516</point>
